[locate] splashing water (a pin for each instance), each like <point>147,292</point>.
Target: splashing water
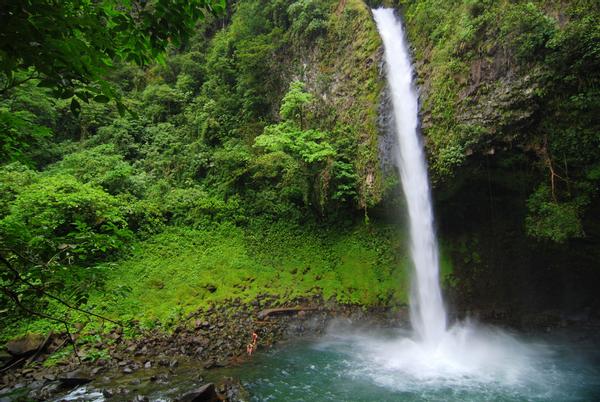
<point>351,364</point>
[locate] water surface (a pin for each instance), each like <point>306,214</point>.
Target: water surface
<point>353,366</point>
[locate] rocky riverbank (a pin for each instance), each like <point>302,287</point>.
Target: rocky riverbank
<point>207,339</point>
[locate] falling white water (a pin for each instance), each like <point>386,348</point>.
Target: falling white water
<point>427,308</point>
<point>465,355</point>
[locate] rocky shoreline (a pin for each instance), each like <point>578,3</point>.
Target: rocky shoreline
<point>207,339</point>
<point>126,367</point>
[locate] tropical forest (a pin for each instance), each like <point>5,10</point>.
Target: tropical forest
<point>300,200</point>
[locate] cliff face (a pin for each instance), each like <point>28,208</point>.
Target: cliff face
<point>334,49</point>
<point>343,69</point>
<point>509,106</point>
<point>509,112</point>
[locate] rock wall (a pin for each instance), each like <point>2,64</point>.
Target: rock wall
<point>497,121</point>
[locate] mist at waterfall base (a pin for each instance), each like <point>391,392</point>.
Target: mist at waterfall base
<point>475,364</point>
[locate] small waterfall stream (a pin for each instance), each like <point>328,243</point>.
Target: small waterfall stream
<point>427,309</point>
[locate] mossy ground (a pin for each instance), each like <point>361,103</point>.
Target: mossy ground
<point>183,270</point>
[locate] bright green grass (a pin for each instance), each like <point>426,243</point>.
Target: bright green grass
<point>172,274</point>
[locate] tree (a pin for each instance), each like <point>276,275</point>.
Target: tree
<point>294,102</point>
<point>55,228</point>
<point>289,136</point>
<point>308,148</point>
<point>70,45</point>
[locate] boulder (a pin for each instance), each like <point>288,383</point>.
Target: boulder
<point>5,357</point>
<point>232,390</point>
<point>205,393</point>
<point>25,345</point>
<point>74,379</point>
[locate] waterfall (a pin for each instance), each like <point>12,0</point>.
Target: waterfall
<point>428,315</point>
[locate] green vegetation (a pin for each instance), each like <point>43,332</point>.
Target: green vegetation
<point>182,270</point>
<point>521,75</point>
<point>235,126</point>
<point>248,161</point>
<point>168,278</point>
<point>69,46</point>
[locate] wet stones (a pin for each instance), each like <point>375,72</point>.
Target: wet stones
<point>205,393</point>
<point>74,378</point>
<point>211,338</point>
<point>232,390</point>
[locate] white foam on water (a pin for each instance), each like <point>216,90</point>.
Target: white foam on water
<point>468,359</point>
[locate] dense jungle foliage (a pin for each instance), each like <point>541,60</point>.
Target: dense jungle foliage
<point>220,137</point>
<point>172,165</point>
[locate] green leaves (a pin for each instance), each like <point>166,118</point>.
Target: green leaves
<point>71,44</point>
<point>57,210</point>
<point>308,145</point>
<point>100,166</point>
<point>527,29</point>
<point>101,98</point>
<point>552,220</point>
<point>322,167</point>
<point>294,102</point>
<point>309,19</point>
<point>75,107</point>
<point>19,132</point>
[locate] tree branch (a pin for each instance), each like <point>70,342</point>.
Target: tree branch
<point>553,174</point>
<point>51,296</point>
<point>15,83</point>
<point>13,296</point>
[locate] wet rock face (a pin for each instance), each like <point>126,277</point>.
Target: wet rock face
<point>503,106</point>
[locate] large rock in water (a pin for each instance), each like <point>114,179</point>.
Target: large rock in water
<point>25,345</point>
<point>205,393</point>
<point>74,379</point>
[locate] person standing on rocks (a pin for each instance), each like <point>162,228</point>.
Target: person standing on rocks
<point>252,345</point>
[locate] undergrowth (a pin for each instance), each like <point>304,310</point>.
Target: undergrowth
<point>183,270</point>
